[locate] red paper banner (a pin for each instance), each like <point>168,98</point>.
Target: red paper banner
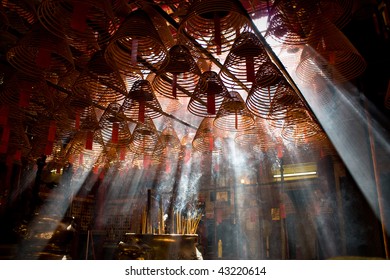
<point>18,155</point>
<point>5,135</point>
<point>52,131</point>
<point>123,154</point>
<point>280,151</point>
<point>250,69</point>
<point>211,143</point>
<point>89,140</point>
<point>79,17</point>
<point>211,103</point>
<point>115,133</point>
<point>49,148</point>
<point>282,211</point>
<point>43,58</point>
<point>141,112</point>
<point>147,161</point>
<point>24,99</point>
<point>4,112</point>
<point>77,120</point>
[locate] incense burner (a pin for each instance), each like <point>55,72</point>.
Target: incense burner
<point>158,247</point>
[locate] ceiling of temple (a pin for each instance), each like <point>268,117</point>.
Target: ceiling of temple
<point>85,76</point>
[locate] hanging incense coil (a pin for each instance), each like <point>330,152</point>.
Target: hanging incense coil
<point>169,138</point>
<point>41,54</point>
<point>271,101</point>
<point>86,25</point>
<point>233,115</point>
<point>259,138</point>
<point>136,45</point>
<point>214,24</point>
<point>144,138</point>
<point>244,59</point>
<point>208,138</point>
<point>114,127</point>
<point>28,95</point>
<point>208,95</point>
<point>339,12</point>
<point>179,75</point>
<point>100,82</point>
<point>333,57</point>
<point>21,14</point>
<point>300,128</point>
<point>141,102</point>
<point>290,23</point>
<point>18,141</point>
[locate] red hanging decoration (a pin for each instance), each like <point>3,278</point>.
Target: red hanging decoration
<point>332,58</point>
<point>250,69</point>
<point>5,135</point>
<point>95,170</point>
<point>187,155</point>
<point>4,112</point>
<point>280,151</point>
<point>77,120</point>
<point>49,148</point>
<point>141,112</point>
<point>217,34</point>
<point>147,161</point>
<point>211,143</point>
<point>168,167</point>
<point>211,103</point>
<point>43,58</point>
<point>79,17</point>
<point>115,133</point>
<point>174,85</point>
<point>122,154</point>
<point>24,99</point>
<point>18,155</point>
<point>89,140</point>
<point>52,131</point>
<point>282,211</point>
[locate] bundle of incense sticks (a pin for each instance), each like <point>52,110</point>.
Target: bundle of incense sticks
<point>187,224</point>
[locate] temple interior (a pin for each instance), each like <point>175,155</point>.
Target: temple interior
<point>194,129</point>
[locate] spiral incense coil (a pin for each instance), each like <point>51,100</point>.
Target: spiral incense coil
<point>333,57</point>
<point>136,45</point>
<point>141,102</point>
<point>244,59</point>
<point>214,24</point>
<point>179,75</point>
<point>339,12</point>
<point>208,95</point>
<point>208,138</point>
<point>28,94</point>
<point>100,82</point>
<point>271,101</point>
<point>233,115</point>
<point>21,14</point>
<point>258,138</point>
<point>114,127</point>
<point>144,138</point>
<point>300,128</point>
<point>41,54</point>
<point>288,25</point>
<point>169,138</point>
<point>86,25</point>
